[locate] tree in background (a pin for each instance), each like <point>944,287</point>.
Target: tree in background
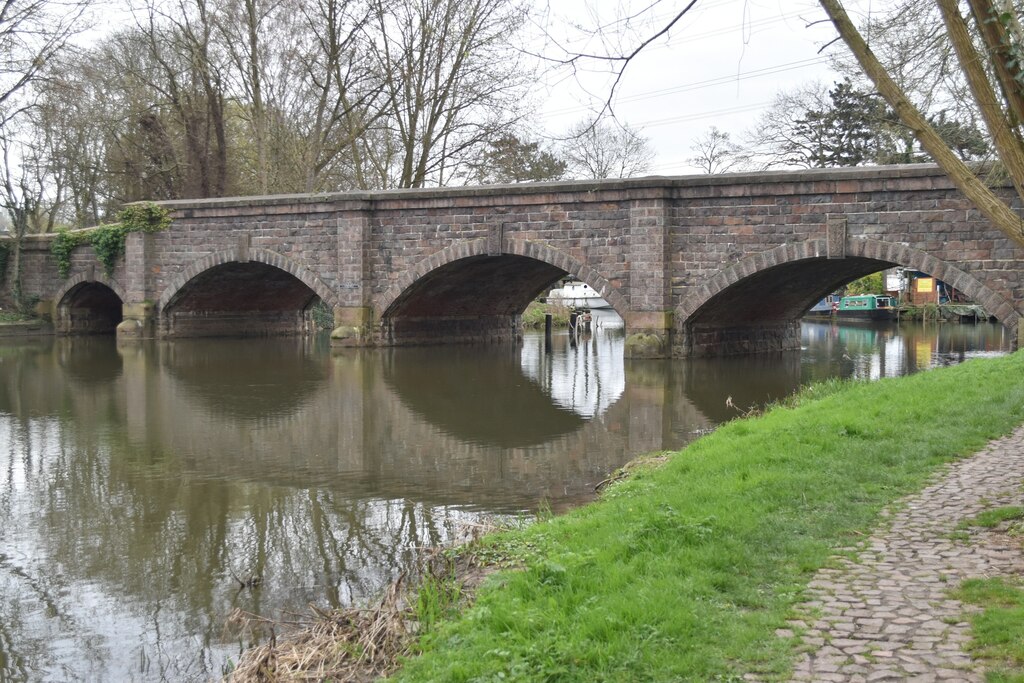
<point>203,98</point>
<point>869,284</point>
<point>453,82</point>
<point>596,149</point>
<point>812,127</point>
<point>715,152</point>
<point>991,63</point>
<point>510,159</point>
<point>33,36</point>
<point>815,127</point>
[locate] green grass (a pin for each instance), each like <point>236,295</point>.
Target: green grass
<point>15,317</point>
<point>998,630</point>
<point>994,517</point>
<point>685,572</point>
<point>533,316</point>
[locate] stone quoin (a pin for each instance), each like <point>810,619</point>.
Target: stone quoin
<point>695,265</point>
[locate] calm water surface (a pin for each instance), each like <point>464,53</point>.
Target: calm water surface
<point>137,483</point>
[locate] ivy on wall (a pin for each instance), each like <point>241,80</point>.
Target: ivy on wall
<point>108,240</point>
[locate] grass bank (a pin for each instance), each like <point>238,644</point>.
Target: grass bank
<point>533,316</point>
<point>684,572</point>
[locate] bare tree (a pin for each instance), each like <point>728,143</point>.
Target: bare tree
<point>305,79</point>
<point>775,139</point>
<point>180,37</point>
<point>715,152</point>
<point>595,149</point>
<point>31,191</point>
<point>343,89</point>
<point>32,34</point>
<point>454,82</point>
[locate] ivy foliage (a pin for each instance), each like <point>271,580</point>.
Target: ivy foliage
<point>108,240</point>
<point>63,244</point>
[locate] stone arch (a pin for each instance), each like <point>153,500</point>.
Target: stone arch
<point>890,252</point>
<point>234,255</point>
<point>85,278</point>
<point>88,304</point>
<point>526,248</point>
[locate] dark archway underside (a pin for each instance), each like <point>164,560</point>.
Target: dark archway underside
<point>90,308</point>
<point>782,293</point>
<point>243,287</point>
<point>476,286</point>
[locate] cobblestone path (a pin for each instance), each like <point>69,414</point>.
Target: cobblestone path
<point>887,615</point>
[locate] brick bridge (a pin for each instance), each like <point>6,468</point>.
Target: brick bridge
<point>694,265</point>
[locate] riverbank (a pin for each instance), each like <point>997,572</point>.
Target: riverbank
<point>14,324</point>
<point>533,316</point>
<point>688,570</point>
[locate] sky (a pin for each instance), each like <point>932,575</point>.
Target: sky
<point>720,66</point>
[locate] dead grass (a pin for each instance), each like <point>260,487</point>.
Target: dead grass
<point>358,644</point>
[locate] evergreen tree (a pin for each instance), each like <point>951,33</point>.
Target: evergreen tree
<point>512,160</point>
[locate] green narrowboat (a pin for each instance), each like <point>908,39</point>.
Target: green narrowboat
<point>867,307</point>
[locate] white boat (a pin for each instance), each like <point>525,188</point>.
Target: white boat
<point>578,294</point>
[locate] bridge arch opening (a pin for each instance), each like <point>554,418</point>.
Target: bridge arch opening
<point>239,299</point>
<point>750,310</point>
<point>478,298</point>
<point>89,308</point>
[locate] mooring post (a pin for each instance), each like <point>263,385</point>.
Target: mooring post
<point>547,333</point>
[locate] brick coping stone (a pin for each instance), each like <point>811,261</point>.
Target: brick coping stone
<point>886,614</point>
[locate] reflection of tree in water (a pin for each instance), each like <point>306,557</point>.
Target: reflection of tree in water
<point>131,531</point>
<point>875,350</point>
<point>137,501</point>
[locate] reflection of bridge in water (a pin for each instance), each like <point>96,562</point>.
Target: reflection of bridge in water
<point>177,464</point>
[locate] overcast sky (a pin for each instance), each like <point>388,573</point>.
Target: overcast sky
<point>721,65</point>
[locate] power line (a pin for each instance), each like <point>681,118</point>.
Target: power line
<point>703,115</point>
<point>700,85</point>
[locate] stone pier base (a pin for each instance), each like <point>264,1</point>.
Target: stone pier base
<point>138,321</point>
<point>648,334</point>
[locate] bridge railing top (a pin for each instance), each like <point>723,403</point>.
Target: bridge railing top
<point>655,184</point>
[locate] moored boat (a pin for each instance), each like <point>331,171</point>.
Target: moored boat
<point>578,294</point>
<point>867,307</point>
<point>824,309</point>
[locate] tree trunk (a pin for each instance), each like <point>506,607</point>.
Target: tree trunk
<point>1006,142</point>
<point>987,202</point>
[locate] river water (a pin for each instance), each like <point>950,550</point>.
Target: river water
<point>140,487</point>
